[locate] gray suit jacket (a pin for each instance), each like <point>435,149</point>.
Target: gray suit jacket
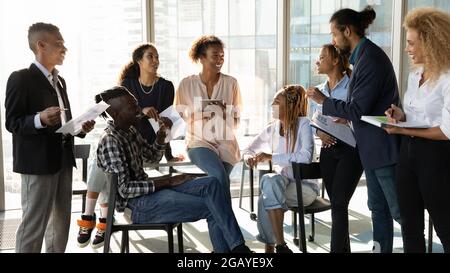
<point>372,90</point>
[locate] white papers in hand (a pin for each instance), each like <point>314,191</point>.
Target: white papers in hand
<point>337,130</point>
<point>178,127</point>
<point>74,126</point>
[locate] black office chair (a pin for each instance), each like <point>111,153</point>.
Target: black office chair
<point>81,151</point>
<point>125,226</point>
<point>307,171</point>
<point>261,172</point>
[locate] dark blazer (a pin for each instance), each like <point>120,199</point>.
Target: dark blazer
<point>371,91</point>
<point>35,151</point>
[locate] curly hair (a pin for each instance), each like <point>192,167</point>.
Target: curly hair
<point>201,45</point>
<point>434,34</point>
<point>132,69</point>
<point>296,106</point>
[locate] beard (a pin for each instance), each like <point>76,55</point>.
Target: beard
<point>345,48</point>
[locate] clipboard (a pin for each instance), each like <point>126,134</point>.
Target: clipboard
<point>339,131</point>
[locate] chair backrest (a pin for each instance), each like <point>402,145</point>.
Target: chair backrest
<point>113,179</point>
<point>112,226</point>
<point>81,151</point>
<point>308,171</point>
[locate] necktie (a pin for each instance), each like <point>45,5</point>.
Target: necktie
<point>60,100</point>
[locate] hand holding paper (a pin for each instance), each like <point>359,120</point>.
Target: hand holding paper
<point>150,112</point>
<point>74,126</point>
<point>337,130</point>
<point>327,140</point>
<point>178,125</point>
<point>88,126</point>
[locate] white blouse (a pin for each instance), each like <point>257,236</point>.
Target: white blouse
<point>429,103</point>
<point>191,91</point>
<point>270,141</point>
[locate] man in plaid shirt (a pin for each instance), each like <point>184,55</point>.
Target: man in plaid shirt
<point>163,200</point>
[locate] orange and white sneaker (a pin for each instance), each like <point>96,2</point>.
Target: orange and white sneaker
<point>86,224</point>
<point>99,239</point>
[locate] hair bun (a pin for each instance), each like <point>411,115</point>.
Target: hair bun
<point>367,16</point>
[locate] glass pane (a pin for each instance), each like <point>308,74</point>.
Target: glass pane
<point>309,30</point>
<point>249,31</point>
<point>250,37</point>
<point>242,17</point>
<point>99,36</point>
<point>265,10</point>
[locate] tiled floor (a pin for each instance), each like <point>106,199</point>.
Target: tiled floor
<point>196,237</point>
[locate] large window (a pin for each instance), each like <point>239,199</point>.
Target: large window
<point>249,30</point>
<point>309,30</point>
<point>99,36</point>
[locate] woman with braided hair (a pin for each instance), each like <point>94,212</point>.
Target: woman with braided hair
<point>287,139</point>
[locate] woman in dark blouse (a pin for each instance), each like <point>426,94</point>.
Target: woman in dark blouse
<point>153,93</point>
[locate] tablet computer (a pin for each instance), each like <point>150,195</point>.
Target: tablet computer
<point>205,103</point>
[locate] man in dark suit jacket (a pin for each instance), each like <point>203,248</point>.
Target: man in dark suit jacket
<point>372,89</point>
<point>36,106</point>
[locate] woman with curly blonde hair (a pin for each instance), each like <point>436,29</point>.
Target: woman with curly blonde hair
<point>288,139</point>
<point>423,173</point>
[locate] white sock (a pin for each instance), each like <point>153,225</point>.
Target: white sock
<point>90,206</point>
<point>103,212</point>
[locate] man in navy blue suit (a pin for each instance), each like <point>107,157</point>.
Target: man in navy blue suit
<point>372,89</point>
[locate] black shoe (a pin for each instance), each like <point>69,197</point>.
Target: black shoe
<point>99,239</point>
<point>86,224</point>
<point>283,248</point>
<point>241,249</point>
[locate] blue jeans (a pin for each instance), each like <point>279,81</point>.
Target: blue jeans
<point>209,162</point>
<point>277,192</point>
<point>202,198</point>
<point>382,202</point>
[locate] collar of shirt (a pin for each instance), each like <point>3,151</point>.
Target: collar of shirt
<point>355,53</point>
<point>342,84</point>
<point>418,71</point>
<point>47,73</point>
<point>122,133</point>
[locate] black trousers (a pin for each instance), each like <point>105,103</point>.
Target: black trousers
<point>341,170</point>
<point>423,182</point>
